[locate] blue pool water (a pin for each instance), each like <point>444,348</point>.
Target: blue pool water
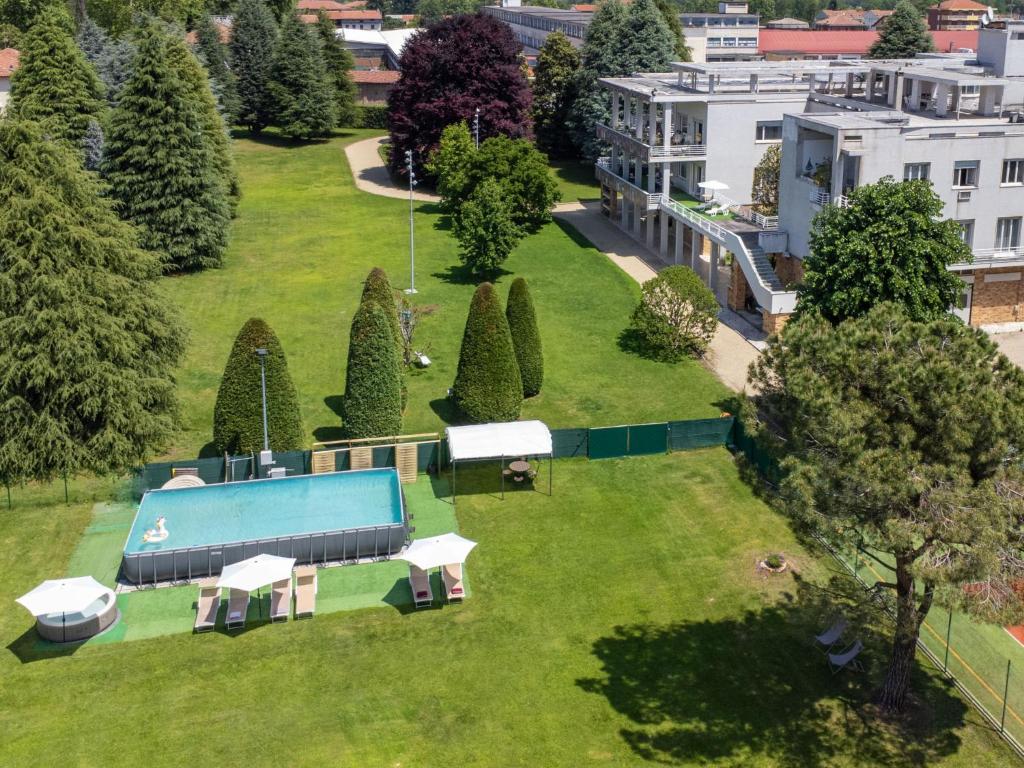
<point>264,509</point>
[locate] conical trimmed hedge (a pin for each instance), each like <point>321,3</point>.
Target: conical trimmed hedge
<point>238,414</point>
<point>372,406</point>
<point>488,386</point>
<point>522,322</point>
<point>378,288</point>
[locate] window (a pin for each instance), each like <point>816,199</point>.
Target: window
<point>965,173</point>
<point>714,42</point>
<point>1008,233</point>
<point>917,171</point>
<point>1013,172</point>
<point>967,231</point>
<point>769,130</point>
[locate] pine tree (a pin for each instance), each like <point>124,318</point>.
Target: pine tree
<point>487,385</point>
<point>338,63</point>
<point>372,405</point>
<point>302,97</point>
<point>485,228</point>
<point>253,35</point>
<point>670,14</point>
<point>87,343</point>
<point>238,412</point>
<point>92,146</point>
<point>214,56</point>
<point>648,43</point>
<point>553,94</point>
<point>602,55</point>
<point>160,170</point>
<point>214,134</point>
<point>55,84</point>
<point>903,35</point>
<point>522,323</point>
<point>111,58</point>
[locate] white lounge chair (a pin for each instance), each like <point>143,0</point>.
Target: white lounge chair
<point>305,591</point>
<point>451,576</point>
<point>419,582</point>
<point>831,636</point>
<point>847,658</point>
<point>207,606</point>
<point>280,599</point>
<point>718,210</point>
<point>238,607</point>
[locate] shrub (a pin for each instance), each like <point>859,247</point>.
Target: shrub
<point>238,413</point>
<point>369,116</point>
<point>676,316</point>
<point>372,406</point>
<point>522,323</point>
<point>488,386</point>
<point>378,288</point>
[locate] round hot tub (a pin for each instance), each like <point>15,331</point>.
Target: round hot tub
<point>73,627</point>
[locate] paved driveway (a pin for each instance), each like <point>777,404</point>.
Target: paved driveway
<point>1012,345</point>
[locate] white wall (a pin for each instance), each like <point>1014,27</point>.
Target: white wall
<point>5,91</point>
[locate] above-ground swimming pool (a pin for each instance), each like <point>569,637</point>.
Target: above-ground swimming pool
<point>313,518</point>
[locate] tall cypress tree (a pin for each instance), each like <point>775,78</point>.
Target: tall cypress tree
<point>304,102</point>
<point>54,83</point>
<point>338,62</point>
<point>903,35</point>
<point>252,49</point>
<point>670,14</point>
<point>160,169</point>
<point>214,56</point>
<point>87,342</point>
<point>553,94</point>
<point>522,323</point>
<point>378,288</point>
<point>238,412</point>
<point>487,385</point>
<point>372,406</point>
<point>214,135</point>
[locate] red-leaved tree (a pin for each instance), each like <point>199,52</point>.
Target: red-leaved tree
<point>450,70</point>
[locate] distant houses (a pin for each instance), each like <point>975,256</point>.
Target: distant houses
<point>8,63</point>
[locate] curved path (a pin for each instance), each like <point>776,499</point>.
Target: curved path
<point>371,176</point>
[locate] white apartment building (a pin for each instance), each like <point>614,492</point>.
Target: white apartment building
<point>953,119</point>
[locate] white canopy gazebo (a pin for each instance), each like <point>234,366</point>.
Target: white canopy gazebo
<point>498,442</point>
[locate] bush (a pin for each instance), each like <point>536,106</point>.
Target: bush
<point>238,413</point>
<point>522,323</point>
<point>368,116</point>
<point>378,288</point>
<point>485,229</point>
<point>488,386</point>
<point>372,405</point>
<point>676,316</point>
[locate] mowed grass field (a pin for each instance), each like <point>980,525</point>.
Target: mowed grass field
<point>621,621</point>
<point>304,240</point>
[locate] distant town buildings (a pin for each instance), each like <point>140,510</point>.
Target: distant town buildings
<point>373,86</point>
<point>850,19</point>
<point>955,15</point>
<point>8,63</point>
<point>787,23</point>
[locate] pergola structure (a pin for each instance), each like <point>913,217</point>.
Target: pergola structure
<point>500,441</point>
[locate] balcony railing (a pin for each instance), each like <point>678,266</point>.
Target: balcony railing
<point>605,174</point>
<point>820,197</point>
<point>998,254</point>
<point>645,151</point>
<point>747,213</point>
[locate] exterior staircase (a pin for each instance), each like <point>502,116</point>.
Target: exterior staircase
<point>759,260</point>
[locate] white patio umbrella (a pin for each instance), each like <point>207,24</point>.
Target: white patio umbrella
<point>256,572</point>
<point>62,596</point>
<point>437,551</point>
<point>713,186</point>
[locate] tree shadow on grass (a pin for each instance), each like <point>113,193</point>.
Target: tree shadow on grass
<point>574,234</point>
<point>447,411</point>
<point>331,432</point>
<point>274,139</point>
<point>732,690</point>
<point>209,451</point>
<point>460,274</point>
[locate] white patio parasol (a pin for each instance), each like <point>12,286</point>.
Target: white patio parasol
<point>256,572</point>
<point>437,551</point>
<point>713,186</point>
<point>62,596</point>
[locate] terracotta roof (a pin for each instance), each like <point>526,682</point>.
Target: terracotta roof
<point>223,32</point>
<point>584,8</point>
<point>348,15</point>
<point>364,62</point>
<point>836,42</point>
<point>8,61</point>
<point>849,17</point>
<point>385,76</point>
<point>319,5</point>
<point>960,5</point>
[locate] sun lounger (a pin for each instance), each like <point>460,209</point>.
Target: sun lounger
<point>305,591</point>
<point>207,606</point>
<point>280,599</point>
<point>419,582</point>
<point>451,575</point>
<point>846,658</point>
<point>238,607</point>
<point>831,636</point>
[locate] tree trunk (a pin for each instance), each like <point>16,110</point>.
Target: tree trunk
<point>909,617</point>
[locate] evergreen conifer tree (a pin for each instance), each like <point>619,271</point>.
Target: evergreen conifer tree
<point>903,35</point>
<point>111,58</point>
<point>378,288</point>
<point>648,43</point>
<point>670,13</point>
<point>338,63</point>
<point>304,101</point>
<point>92,146</point>
<point>214,56</point>
<point>238,412</point>
<point>522,323</point>
<point>372,405</point>
<point>214,135</point>
<point>161,171</point>
<point>54,83</point>
<point>487,385</point>
<point>252,49</point>
<point>553,94</point>
<point>87,343</point>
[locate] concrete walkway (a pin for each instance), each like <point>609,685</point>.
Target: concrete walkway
<point>371,176</point>
<point>1011,345</point>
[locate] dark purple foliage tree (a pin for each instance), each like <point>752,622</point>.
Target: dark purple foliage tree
<point>449,71</point>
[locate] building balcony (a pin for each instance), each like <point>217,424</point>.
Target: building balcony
<point>821,198</point>
<point>992,258</point>
<point>650,200</point>
<point>672,153</point>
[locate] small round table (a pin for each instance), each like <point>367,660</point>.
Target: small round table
<point>519,470</point>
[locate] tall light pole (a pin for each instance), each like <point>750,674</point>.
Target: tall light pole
<point>262,354</point>
<point>476,127</point>
<point>412,226</point>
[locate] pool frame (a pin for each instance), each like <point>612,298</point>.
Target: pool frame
<point>341,544</point>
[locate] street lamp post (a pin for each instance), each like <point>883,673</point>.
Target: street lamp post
<point>476,127</point>
<point>412,226</point>
<point>262,354</point>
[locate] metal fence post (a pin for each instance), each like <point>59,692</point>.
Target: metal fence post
<point>949,629</point>
<point>66,501</point>
<point>9,497</point>
<point>1006,693</point>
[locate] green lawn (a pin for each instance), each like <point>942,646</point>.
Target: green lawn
<point>305,239</point>
<point>619,622</point>
<point>576,180</point>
